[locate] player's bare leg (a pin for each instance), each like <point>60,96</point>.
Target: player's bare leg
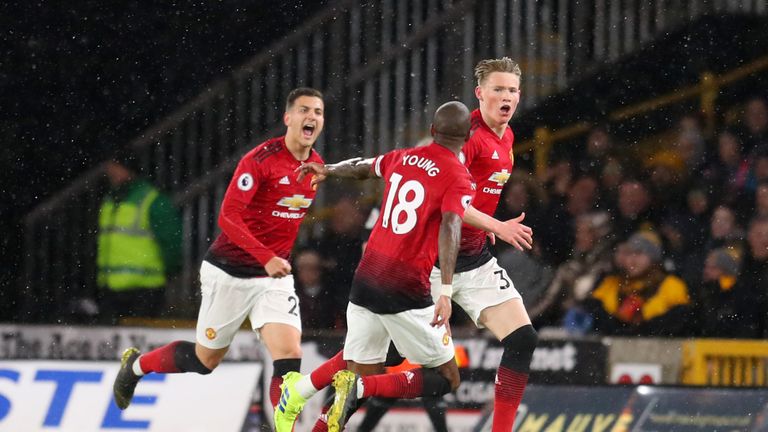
<point>211,358</point>
<point>510,323</point>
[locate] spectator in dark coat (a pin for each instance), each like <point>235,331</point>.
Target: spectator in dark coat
<point>723,306</point>
<point>318,308</point>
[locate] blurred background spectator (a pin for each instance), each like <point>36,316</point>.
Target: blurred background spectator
<point>139,243</point>
<point>644,299</point>
<point>341,247</point>
<point>723,306</point>
<point>589,260</point>
<point>318,307</point>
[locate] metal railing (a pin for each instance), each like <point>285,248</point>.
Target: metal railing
<point>706,91</point>
<point>384,66</point>
<point>719,362</point>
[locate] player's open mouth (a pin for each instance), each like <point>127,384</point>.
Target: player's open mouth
<point>506,109</point>
<point>308,130</point>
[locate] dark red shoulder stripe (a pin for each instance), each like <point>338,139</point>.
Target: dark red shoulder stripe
<point>268,150</point>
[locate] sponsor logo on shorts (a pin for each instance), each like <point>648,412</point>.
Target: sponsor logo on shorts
<point>446,339</point>
<point>210,333</point>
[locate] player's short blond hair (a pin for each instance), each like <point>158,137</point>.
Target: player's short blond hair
<point>486,67</point>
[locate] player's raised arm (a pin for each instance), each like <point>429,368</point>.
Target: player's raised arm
<point>511,231</point>
<point>357,168</point>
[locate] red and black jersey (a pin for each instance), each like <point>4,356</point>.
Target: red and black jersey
<point>489,160</point>
<point>421,184</point>
<point>262,210</point>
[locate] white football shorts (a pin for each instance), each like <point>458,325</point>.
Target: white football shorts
<point>369,334</point>
<point>475,290</point>
<point>227,301</point>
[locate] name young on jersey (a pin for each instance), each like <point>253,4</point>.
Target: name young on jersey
<point>421,162</point>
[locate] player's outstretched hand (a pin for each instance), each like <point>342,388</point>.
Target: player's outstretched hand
<point>278,267</point>
<point>318,171</point>
<point>443,311</point>
<point>516,234</point>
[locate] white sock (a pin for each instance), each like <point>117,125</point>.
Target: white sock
<point>305,387</point>
<point>360,388</point>
<point>137,367</point>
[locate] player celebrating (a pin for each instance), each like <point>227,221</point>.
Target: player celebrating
<point>481,287</point>
<point>427,192</point>
<point>246,273</point>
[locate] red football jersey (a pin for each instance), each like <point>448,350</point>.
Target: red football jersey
<point>421,184</point>
<point>489,160</point>
<point>262,210</point>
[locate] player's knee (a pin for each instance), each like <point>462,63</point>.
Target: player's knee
<point>518,348</point>
<point>522,340</point>
<point>453,381</point>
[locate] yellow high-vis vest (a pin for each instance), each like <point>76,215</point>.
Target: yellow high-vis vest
<point>128,254</point>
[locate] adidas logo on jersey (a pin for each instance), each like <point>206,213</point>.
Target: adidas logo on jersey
<point>495,155</point>
<point>284,180</point>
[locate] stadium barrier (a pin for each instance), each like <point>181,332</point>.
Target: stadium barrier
<point>76,396</point>
<point>55,376</point>
<point>719,362</point>
<point>641,408</point>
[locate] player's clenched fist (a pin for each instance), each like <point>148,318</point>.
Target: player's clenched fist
<point>278,267</point>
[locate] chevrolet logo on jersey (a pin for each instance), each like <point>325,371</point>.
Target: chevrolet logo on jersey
<point>296,202</point>
<point>500,177</point>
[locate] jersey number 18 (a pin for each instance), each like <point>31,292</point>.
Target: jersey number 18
<point>411,189</point>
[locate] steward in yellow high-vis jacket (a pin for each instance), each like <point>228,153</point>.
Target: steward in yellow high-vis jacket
<point>139,245</point>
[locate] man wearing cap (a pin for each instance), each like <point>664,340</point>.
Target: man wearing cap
<point>724,307</point>
<point>139,243</point>
<point>641,299</point>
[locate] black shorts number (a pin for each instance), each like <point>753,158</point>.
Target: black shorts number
<point>505,282</point>
<point>294,309</point>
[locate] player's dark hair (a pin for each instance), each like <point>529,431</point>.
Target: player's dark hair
<point>299,92</point>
